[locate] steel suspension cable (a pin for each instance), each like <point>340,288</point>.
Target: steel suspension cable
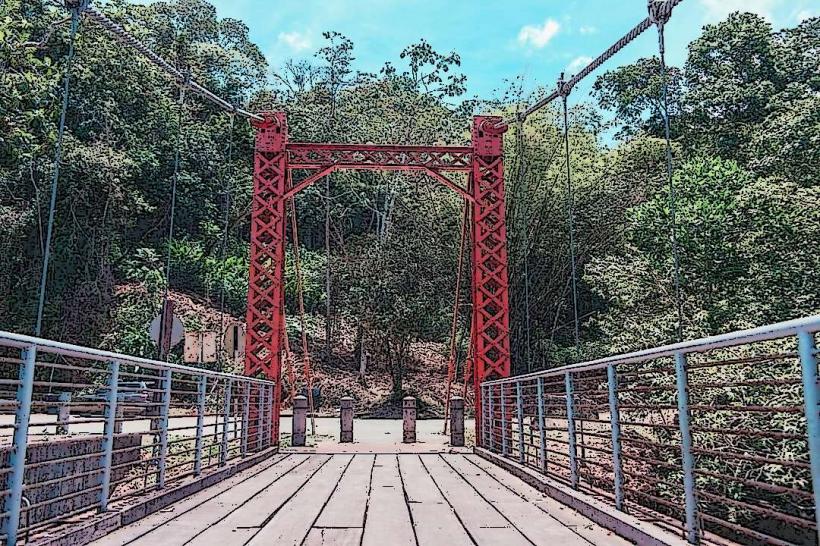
<point>660,18</point>
<point>55,177</point>
<point>291,373</point>
<point>180,78</point>
<point>663,9</point>
<point>451,362</point>
<point>302,322</point>
<point>570,219</point>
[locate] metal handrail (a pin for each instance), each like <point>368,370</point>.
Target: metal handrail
<point>20,341</point>
<point>698,445</point>
<point>769,332</point>
<point>228,417</point>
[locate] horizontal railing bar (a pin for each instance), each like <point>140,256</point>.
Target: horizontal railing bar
<point>757,535</point>
<point>750,458</point>
<point>19,341</point>
<point>786,518</point>
<point>731,339</point>
<point>659,500</point>
<point>777,489</point>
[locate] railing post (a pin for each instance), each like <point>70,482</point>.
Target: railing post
<point>261,417</point>
<point>573,452</point>
<point>246,412</point>
<point>163,427</point>
<point>542,439</point>
<point>226,421</point>
<point>110,425</point>
<point>504,446</point>
<point>269,426</point>
<point>17,457</point>
<point>484,403</point>
<point>811,397</point>
<point>688,461</point>
<point>202,392</point>
<point>519,398</point>
<point>615,425</point>
<point>266,403</point>
<point>491,419</point>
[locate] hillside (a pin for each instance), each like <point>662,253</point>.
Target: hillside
<point>425,373</point>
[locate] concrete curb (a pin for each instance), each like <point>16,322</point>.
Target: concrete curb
<point>103,524</point>
<point>623,525</point>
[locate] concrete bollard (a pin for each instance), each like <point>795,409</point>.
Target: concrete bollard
<point>346,417</point>
<point>299,421</point>
<point>409,418</point>
<point>63,412</point>
<point>457,422</point>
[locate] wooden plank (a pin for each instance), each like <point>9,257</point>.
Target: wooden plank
<point>247,518</point>
<point>291,524</point>
<point>537,526</point>
<point>150,528</point>
<point>592,532</point>
<point>434,520</point>
<point>388,516</point>
<point>486,524</point>
<point>349,536</point>
<point>348,502</point>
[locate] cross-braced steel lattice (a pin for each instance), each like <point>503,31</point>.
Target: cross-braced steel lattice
<point>276,158</point>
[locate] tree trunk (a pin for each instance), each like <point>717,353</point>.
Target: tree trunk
<point>358,350</point>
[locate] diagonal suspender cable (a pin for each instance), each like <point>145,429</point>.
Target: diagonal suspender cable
<point>522,169</point>
<point>451,362</point>
<point>288,356</point>
<point>174,180</point>
<point>306,368</point>
<point>570,218</point>
<point>660,18</point>
<point>58,155</point>
<point>179,78</point>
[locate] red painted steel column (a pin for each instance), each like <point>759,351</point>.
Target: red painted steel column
<point>265,318</point>
<point>491,304</point>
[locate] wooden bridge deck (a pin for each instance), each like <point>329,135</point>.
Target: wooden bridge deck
<point>397,499</point>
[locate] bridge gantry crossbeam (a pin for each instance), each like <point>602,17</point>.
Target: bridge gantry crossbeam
<point>483,164</point>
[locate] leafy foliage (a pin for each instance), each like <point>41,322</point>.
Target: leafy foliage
<point>744,111</point>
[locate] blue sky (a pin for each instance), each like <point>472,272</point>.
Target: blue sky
<point>496,40</point>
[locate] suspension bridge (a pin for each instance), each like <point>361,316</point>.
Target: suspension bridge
<point>107,448</point>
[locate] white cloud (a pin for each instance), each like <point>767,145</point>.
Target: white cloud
<point>717,10</point>
<point>804,15</point>
<point>588,29</point>
<point>539,36</point>
<point>578,63</point>
<point>296,41</point>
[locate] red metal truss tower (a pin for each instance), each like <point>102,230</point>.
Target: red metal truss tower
<point>274,160</point>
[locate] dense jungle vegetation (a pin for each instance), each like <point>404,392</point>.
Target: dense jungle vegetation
<point>745,113</point>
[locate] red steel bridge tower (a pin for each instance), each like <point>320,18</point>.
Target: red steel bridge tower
<point>276,158</point>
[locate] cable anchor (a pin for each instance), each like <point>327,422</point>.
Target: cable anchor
<point>658,14</point>
<point>563,87</point>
